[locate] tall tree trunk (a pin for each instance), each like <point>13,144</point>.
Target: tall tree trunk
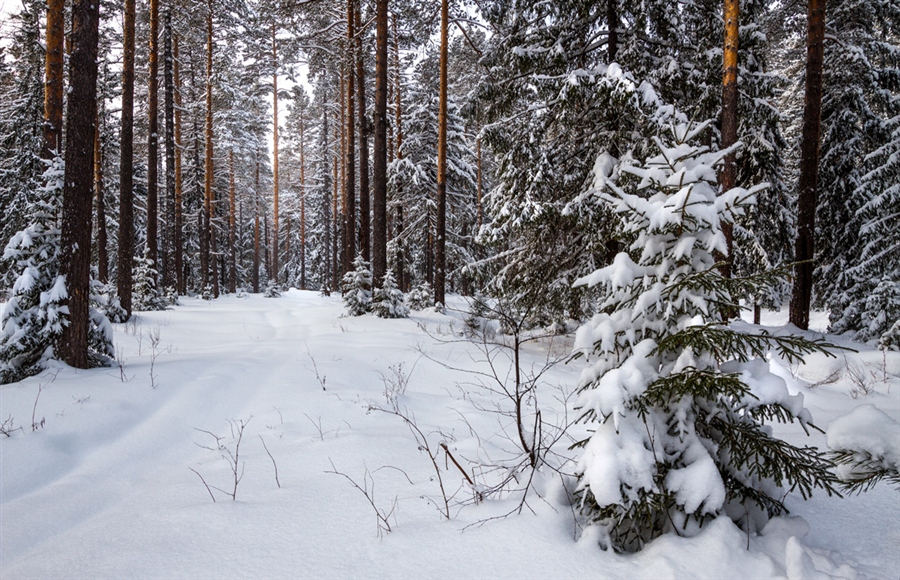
<point>153,136</point>
<point>125,257</point>
<point>208,166</point>
<point>232,232</point>
<point>255,274</point>
<point>379,160</point>
<point>179,242</point>
<point>326,152</point>
<point>440,258</point>
<point>612,25</point>
<point>53,78</point>
<point>169,81</point>
<point>335,263</point>
<point>75,258</point>
<point>275,155</point>
<point>728,176</point>
<point>398,132</point>
<point>102,251</point>
<point>302,206</point>
<point>348,204</point>
<point>364,208</point>
<point>801,295</point>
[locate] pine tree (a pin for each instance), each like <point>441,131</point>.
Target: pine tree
<point>680,397</point>
<point>388,300</point>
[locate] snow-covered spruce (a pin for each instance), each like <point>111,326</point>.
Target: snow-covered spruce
<point>388,301</point>
<point>420,297</point>
<point>356,287</point>
<point>272,290</point>
<point>680,396</point>
<point>866,446</point>
<point>146,296</point>
<point>36,315</point>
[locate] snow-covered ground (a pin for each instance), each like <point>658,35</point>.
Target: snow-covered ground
<point>103,486</point>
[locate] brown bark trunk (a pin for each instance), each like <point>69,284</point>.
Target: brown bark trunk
<point>728,176</point>
<point>302,207</point>
<point>801,295</point>
<point>53,78</point>
<point>275,216</point>
<point>153,137</point>
<point>169,81</point>
<point>208,166</point>
<point>255,274</point>
<point>335,235</point>
<point>125,257</point>
<point>348,204</point>
<point>179,242</point>
<point>232,215</point>
<point>364,209</point>
<point>102,251</point>
<point>440,258</point>
<point>379,160</point>
<point>75,239</point>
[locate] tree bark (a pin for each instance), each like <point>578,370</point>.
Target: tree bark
<point>153,137</point>
<point>440,258</point>
<point>208,166</point>
<point>612,25</point>
<point>179,242</point>
<point>728,176</point>
<point>75,240</point>
<point>232,232</point>
<point>302,206</point>
<point>348,252</point>
<point>169,81</point>
<point>364,209</point>
<point>53,78</point>
<point>255,274</point>
<point>125,257</point>
<point>379,160</point>
<point>102,241</point>
<point>801,294</point>
<point>275,216</point>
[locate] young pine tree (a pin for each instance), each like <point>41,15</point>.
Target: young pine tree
<point>680,397</point>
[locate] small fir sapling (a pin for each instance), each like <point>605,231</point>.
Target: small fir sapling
<point>36,314</point>
<point>272,290</point>
<point>146,296</point>
<point>356,287</point>
<point>420,297</point>
<point>678,396</point>
<point>388,301</point>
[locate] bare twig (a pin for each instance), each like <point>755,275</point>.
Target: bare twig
<point>275,465</point>
<point>204,483</point>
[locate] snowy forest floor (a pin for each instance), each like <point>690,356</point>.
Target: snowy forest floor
<point>102,486</point>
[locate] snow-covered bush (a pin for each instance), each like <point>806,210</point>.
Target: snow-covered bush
<point>866,446</point>
<point>356,287</point>
<point>272,290</point>
<point>145,294</point>
<point>34,319</point>
<point>681,397</point>
<point>388,301</point>
<point>107,301</point>
<point>420,297</point>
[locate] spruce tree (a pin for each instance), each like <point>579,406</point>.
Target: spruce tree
<point>680,398</point>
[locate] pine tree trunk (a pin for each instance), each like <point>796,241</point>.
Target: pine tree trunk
<point>180,281</point>
<point>171,201</point>
<point>728,176</point>
<point>125,257</point>
<point>379,160</point>
<point>302,207</point>
<point>255,274</point>
<point>208,167</point>
<point>348,203</point>
<point>402,281</point>
<point>153,136</point>
<point>335,236</point>
<point>232,232</point>
<point>75,257</point>
<point>440,258</point>
<point>801,295</point>
<point>364,209</point>
<point>102,241</point>
<point>275,210</point>
<point>53,78</point>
